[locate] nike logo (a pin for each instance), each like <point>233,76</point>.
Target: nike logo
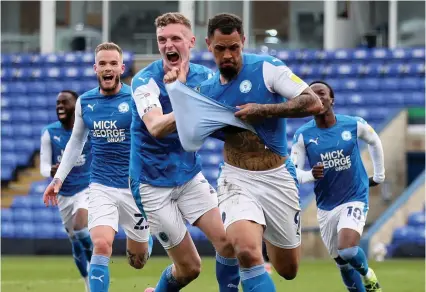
<point>314,141</point>
<point>57,138</point>
<point>91,106</point>
<point>97,278</point>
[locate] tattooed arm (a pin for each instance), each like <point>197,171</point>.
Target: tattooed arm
<point>301,100</point>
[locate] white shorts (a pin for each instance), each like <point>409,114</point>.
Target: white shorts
<point>350,215</point>
<point>112,207</point>
<point>269,198</point>
<point>68,206</point>
<point>167,208</point>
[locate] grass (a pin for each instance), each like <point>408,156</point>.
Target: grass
<point>52,274</point>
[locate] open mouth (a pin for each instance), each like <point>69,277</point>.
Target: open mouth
<point>108,77</point>
<point>61,113</point>
<point>173,57</point>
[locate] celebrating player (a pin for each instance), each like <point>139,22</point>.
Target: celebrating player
<point>104,113</point>
<point>73,196</point>
<point>341,184</point>
<point>257,188</point>
<point>166,181</point>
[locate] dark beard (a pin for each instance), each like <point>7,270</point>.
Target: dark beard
<point>228,73</point>
<point>116,82</point>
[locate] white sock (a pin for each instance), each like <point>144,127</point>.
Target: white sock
<point>369,274</point>
<point>86,283</point>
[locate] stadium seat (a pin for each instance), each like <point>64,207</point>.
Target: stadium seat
<point>45,230</point>
<point>22,215</point>
<point>416,219</point>
<point>43,215</point>
<point>38,187</point>
<point>7,230</point>
<point>6,216</point>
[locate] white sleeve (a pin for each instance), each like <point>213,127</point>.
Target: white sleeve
<point>45,155</point>
<point>367,133</point>
<point>74,146</point>
<point>146,97</point>
<point>282,80</point>
<point>298,153</point>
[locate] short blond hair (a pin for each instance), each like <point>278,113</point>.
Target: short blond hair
<point>172,18</point>
<point>109,46</point>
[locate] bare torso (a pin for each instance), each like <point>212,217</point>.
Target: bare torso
<point>245,150</point>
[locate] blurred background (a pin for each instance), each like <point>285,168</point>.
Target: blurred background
<point>371,52</point>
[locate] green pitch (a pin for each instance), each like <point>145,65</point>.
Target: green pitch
<point>52,274</point>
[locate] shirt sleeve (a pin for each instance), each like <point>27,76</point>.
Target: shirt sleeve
<point>145,95</point>
<point>298,154</point>
<point>74,146</point>
<point>280,79</point>
<point>45,154</point>
<point>367,134</point>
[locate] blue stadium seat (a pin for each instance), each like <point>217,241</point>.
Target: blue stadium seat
<point>6,215</point>
<point>22,131</point>
<point>53,59</point>
<point>22,215</point>
<point>7,172</point>
<point>359,55</point>
<point>417,54</point>
<point>89,58</point>
<point>120,234</point>
<point>412,83</point>
<point>56,216</point>
<point>8,159</point>
<point>389,84</point>
<point>52,73</point>
<point>37,202</point>
<point>417,219</point>
<point>7,230</point>
<point>40,102</point>
<point>395,98</point>
<point>416,98</point>
<point>6,102</point>
<point>13,88</point>
<point>45,230</point>
<point>6,131</point>
<point>43,215</point>
<point>21,201</point>
<point>36,87</point>
<point>38,187</point>
<point>70,73</point>
<point>41,117</point>
<point>196,233</point>
<point>59,230</point>
<point>24,146</point>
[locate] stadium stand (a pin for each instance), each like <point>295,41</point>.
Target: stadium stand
<point>368,83</point>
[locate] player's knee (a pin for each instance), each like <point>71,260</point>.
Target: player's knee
<point>248,255</point>
<point>101,246</point>
<point>190,271</point>
<point>137,260</point>
<point>225,248</point>
<point>288,271</point>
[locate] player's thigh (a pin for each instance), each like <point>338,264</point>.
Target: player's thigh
<point>65,207</point>
<point>103,217</point>
<point>80,209</point>
<point>196,198</point>
<point>328,220</point>
<point>243,220</point>
<point>351,224</point>
<point>131,219</point>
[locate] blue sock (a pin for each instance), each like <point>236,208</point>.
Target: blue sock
<point>99,273</point>
<point>256,279</point>
<point>227,273</point>
<point>356,257</point>
<point>351,278</point>
<point>84,236</point>
<point>79,257</point>
<point>167,282</point>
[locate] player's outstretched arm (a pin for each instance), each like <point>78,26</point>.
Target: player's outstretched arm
<point>45,154</point>
<point>147,100</point>
<point>298,154</point>
<point>375,148</point>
